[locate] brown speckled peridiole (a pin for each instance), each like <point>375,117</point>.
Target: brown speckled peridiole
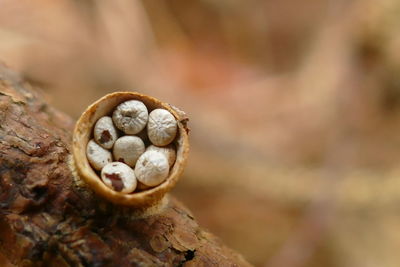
<point>83,133</point>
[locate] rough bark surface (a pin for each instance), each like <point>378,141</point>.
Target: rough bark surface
<point>47,219</point>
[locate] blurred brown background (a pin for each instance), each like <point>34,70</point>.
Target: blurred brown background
<point>294,109</point>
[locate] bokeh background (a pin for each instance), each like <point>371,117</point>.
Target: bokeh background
<point>293,105</point>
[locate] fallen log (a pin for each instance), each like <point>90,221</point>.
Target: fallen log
<point>48,219</point>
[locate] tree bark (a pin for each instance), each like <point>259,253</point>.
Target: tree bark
<point>48,219</point>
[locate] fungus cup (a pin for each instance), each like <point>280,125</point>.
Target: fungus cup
<point>83,133</point>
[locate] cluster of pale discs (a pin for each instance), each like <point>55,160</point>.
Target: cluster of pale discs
<point>133,149</point>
